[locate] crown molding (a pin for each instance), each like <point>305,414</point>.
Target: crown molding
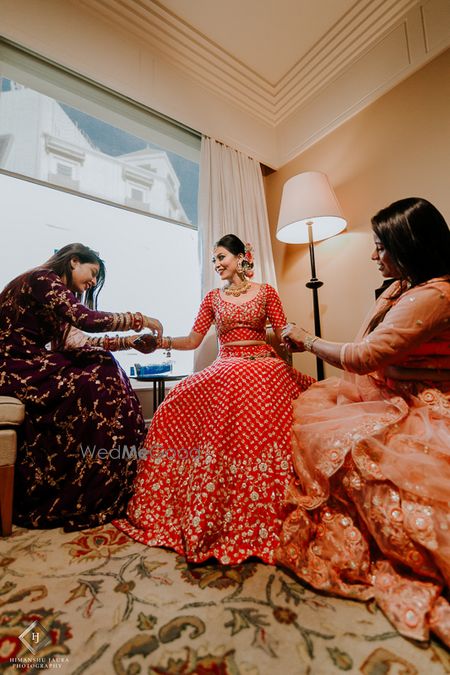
<point>414,39</point>
<point>179,43</point>
<point>190,51</point>
<point>353,35</point>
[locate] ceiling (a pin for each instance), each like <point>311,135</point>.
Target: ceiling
<point>267,36</point>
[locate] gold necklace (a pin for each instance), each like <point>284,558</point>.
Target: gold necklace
<point>236,291</point>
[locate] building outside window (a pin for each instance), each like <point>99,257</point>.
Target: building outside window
<point>66,176</point>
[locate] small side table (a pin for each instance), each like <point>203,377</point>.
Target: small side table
<point>158,383</point>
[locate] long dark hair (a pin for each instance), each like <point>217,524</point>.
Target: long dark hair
<point>60,264</point>
<point>417,238</point>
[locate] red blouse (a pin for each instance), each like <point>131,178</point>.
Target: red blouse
<point>240,322</point>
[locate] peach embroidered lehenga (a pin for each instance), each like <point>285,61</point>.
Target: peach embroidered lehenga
<point>370,507</point>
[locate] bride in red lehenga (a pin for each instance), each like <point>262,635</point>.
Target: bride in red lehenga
<point>371,504</point>
<point>218,449</point>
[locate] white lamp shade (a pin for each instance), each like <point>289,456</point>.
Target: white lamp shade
<point>309,198</point>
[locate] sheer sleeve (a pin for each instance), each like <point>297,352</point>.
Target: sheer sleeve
<point>274,308</point>
<point>421,314</point>
<point>47,289</point>
<point>75,339</point>
<point>205,316</point>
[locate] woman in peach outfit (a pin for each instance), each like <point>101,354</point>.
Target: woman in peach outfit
<point>371,502</point>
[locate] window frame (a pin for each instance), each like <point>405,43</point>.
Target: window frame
<point>95,99</point>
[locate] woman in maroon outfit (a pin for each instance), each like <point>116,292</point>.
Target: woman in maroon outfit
<point>77,398</point>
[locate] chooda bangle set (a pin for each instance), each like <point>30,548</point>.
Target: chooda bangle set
<point>309,341</point>
<point>138,322</point>
<point>115,344</point>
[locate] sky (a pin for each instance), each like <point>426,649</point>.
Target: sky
<point>113,141</point>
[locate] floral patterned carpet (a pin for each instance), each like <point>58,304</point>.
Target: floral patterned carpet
<point>109,605</point>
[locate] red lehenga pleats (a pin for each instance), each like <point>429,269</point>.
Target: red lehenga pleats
<point>219,460</point>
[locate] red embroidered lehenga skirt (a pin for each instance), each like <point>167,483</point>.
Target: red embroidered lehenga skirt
<point>219,460</point>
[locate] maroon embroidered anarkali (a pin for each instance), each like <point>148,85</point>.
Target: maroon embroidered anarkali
<point>77,402</point>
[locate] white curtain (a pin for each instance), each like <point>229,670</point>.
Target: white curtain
<point>231,201</point>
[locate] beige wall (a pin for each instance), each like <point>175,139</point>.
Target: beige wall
<point>397,147</point>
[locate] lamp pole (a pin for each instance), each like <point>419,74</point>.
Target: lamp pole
<point>314,284</point>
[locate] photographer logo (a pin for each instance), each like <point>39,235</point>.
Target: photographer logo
<point>35,637</point>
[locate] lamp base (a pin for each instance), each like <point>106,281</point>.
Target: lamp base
<point>314,283</point>
<point>320,369</point>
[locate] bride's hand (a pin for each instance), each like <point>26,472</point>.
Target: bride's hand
<point>145,343</point>
<point>294,337</point>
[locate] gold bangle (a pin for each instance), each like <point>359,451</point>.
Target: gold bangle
<point>137,322</point>
<point>309,341</point>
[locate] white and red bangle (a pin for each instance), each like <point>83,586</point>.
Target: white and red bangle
<point>309,341</point>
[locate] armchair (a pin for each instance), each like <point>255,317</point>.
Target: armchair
<point>12,413</point>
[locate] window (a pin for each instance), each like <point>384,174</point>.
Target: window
<point>5,144</point>
<point>137,195</point>
<point>67,175</point>
<point>64,169</point>
<point>64,173</point>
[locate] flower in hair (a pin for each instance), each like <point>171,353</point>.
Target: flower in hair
<point>248,253</point>
<point>247,263</point>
